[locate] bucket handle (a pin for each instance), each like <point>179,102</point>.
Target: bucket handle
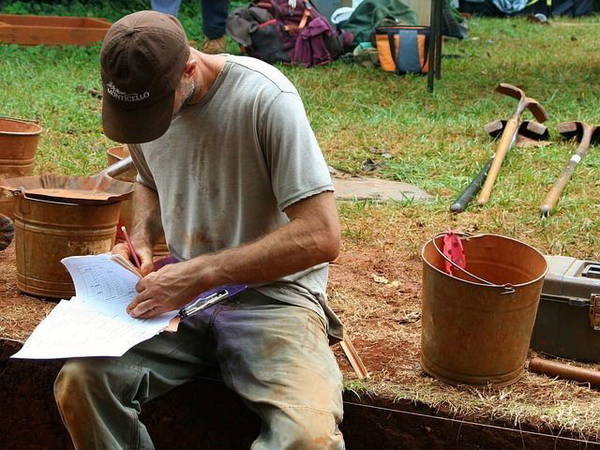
<point>22,192</point>
<point>508,288</point>
<point>24,207</point>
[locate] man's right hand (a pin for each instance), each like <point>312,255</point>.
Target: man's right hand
<point>143,251</point>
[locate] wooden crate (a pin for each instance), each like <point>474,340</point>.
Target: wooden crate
<point>51,30</point>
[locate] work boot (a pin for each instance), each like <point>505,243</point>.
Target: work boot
<point>214,46</point>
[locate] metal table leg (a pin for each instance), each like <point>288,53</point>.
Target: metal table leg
<point>435,43</point>
<point>439,33</point>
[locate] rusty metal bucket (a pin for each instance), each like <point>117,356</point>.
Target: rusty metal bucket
<point>477,324</point>
<point>58,216</point>
<point>47,231</point>
<point>114,155</point>
<point>18,144</point>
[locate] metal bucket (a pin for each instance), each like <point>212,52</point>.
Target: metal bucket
<point>18,144</point>
<point>477,323</point>
<point>116,154</point>
<point>47,231</point>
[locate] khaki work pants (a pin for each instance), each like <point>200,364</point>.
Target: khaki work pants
<point>274,355</point>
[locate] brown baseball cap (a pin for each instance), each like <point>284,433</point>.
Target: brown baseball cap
<point>142,60</point>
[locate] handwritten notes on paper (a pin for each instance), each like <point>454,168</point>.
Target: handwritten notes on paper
<point>95,321</point>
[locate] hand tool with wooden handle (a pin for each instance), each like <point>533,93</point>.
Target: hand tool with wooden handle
<point>566,371</point>
<point>531,130</point>
<point>509,134</point>
<point>587,136</point>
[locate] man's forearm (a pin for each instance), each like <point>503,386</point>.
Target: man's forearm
<point>285,251</point>
<point>309,239</point>
<point>146,215</point>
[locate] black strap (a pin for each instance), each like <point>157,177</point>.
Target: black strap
<point>407,54</point>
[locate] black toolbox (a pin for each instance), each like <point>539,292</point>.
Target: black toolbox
<point>568,318</point>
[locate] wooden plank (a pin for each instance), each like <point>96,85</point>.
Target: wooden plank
<point>354,359</point>
<point>51,30</point>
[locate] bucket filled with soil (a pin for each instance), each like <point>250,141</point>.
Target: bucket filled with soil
<point>56,217</point>
<point>480,299</point>
<point>18,144</point>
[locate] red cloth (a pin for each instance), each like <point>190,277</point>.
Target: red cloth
<point>454,251</point>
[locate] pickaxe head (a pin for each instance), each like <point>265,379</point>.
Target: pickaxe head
<point>576,130</point>
<point>528,129</point>
<point>527,102</point>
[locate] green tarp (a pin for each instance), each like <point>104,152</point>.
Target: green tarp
<point>373,13</point>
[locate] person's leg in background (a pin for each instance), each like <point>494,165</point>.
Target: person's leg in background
<point>166,6</point>
<point>214,17</point>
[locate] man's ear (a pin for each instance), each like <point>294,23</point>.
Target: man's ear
<point>190,68</point>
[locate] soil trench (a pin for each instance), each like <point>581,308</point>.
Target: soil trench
<point>376,292</point>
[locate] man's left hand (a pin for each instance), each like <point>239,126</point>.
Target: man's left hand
<point>167,289</point>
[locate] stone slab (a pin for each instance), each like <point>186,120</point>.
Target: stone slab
<point>376,189</point>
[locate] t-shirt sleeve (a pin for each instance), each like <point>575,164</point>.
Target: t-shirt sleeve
<point>144,175</point>
<point>294,159</point>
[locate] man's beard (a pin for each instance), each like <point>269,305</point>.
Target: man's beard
<point>189,95</point>
<point>192,91</point>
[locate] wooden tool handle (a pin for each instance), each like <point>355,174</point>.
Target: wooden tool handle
<point>460,204</point>
<point>559,185</point>
<point>552,197</point>
<point>354,359</point>
<point>510,132</point>
<point>556,369</point>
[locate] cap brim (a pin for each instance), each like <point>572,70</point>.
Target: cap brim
<point>136,126</point>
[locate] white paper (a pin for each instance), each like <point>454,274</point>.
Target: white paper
<point>94,322</point>
<point>101,281</point>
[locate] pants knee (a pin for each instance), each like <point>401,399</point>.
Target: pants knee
<point>313,430</point>
<point>75,385</point>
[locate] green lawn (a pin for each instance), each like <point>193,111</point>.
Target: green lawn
<point>436,141</point>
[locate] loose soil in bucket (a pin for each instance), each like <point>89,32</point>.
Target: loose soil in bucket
<point>375,289</point>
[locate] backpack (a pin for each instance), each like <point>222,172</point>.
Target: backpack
<point>403,49</point>
<point>277,31</point>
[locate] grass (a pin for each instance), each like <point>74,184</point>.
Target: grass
<point>435,141</point>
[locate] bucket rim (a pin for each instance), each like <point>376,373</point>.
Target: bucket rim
<point>21,133</point>
<point>492,285</point>
<point>18,186</point>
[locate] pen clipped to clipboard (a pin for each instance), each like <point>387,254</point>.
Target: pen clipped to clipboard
<point>206,300</point>
<point>210,298</point>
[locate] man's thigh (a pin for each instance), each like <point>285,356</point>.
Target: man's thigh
<point>277,354</point>
<point>162,362</point>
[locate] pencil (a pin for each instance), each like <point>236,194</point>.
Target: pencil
<point>136,260</point>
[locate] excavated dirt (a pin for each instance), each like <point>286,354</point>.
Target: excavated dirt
<point>375,289</point>
<point>19,313</point>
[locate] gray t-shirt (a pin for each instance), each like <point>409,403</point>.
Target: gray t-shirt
<point>229,165</point>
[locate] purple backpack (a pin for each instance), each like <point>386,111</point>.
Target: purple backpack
<point>274,31</point>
